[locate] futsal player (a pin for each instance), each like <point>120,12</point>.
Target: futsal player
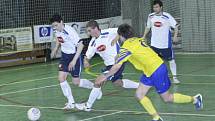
<point>155,73</point>
<point>70,62</point>
<point>161,24</point>
<point>101,44</point>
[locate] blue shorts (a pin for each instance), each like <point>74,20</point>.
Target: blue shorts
<point>167,53</point>
<point>64,63</point>
<point>118,75</point>
<point>159,79</point>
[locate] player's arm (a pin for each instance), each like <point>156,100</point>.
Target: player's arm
<point>55,50</point>
<point>123,56</point>
<point>174,25</point>
<point>89,54</point>
<point>114,41</point>
<point>147,28</point>
<point>175,36</point>
<point>77,55</point>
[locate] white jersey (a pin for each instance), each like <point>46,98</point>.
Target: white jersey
<point>160,26</point>
<point>68,39</point>
<point>102,46</point>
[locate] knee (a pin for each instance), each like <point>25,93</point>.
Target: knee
<point>168,99</point>
<point>139,95</point>
<point>61,78</point>
<point>118,83</point>
<point>97,84</point>
<point>76,81</point>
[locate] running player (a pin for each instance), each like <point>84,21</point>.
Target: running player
<point>160,24</point>
<point>155,73</point>
<point>101,44</point>
<point>70,62</point>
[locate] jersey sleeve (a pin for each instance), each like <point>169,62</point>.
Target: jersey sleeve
<point>149,23</point>
<point>91,49</point>
<point>123,56</point>
<point>75,36</point>
<point>172,21</point>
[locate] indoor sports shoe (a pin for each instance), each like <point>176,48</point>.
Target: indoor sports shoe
<point>83,106</point>
<point>198,102</point>
<point>160,119</point>
<point>175,81</point>
<point>69,106</point>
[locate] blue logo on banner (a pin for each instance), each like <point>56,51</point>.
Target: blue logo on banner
<point>44,31</point>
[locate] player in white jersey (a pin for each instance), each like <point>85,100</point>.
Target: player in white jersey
<point>161,24</point>
<point>101,44</point>
<point>70,62</point>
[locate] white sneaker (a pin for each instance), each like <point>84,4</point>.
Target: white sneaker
<point>69,106</point>
<point>100,96</point>
<point>175,81</point>
<point>83,106</point>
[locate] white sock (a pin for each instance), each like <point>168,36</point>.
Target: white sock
<point>172,66</point>
<point>93,96</point>
<point>67,92</point>
<point>130,84</point>
<point>86,84</point>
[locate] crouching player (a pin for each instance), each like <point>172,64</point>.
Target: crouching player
<point>101,44</point>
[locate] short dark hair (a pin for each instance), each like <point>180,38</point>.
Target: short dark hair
<point>56,18</point>
<point>160,3</point>
<point>126,31</point>
<point>93,24</point>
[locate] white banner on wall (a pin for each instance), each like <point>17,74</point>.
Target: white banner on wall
<point>16,39</point>
<point>105,23</point>
<point>43,34</point>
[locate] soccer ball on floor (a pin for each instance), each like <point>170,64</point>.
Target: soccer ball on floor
<point>33,114</point>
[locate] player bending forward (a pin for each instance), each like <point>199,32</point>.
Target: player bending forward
<point>155,73</point>
<point>70,62</point>
<point>101,44</point>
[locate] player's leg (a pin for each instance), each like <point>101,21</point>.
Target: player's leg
<point>118,80</point>
<point>65,87</point>
<point>84,83</point>
<point>94,94</point>
<point>162,85</point>
<point>169,56</point>
<point>142,90</point>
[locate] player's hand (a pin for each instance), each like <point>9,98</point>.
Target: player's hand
<point>71,65</point>
<point>114,41</point>
<point>53,54</point>
<point>86,64</point>
<point>100,80</point>
<point>175,40</point>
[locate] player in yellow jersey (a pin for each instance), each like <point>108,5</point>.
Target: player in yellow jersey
<point>155,73</point>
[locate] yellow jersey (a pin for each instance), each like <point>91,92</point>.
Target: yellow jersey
<point>137,52</point>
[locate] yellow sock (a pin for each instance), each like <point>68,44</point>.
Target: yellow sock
<point>147,104</point>
<point>179,98</point>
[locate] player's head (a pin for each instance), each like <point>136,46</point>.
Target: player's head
<point>93,28</point>
<point>57,22</point>
<point>157,6</point>
<point>125,32</point>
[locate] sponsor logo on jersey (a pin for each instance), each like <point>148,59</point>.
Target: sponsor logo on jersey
<point>101,48</point>
<point>60,39</point>
<point>158,24</point>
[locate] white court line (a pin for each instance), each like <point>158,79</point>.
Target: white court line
<point>100,116</point>
<point>121,111</point>
<point>26,81</point>
<point>195,75</point>
<point>16,69</point>
<point>20,91</point>
<point>31,89</point>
